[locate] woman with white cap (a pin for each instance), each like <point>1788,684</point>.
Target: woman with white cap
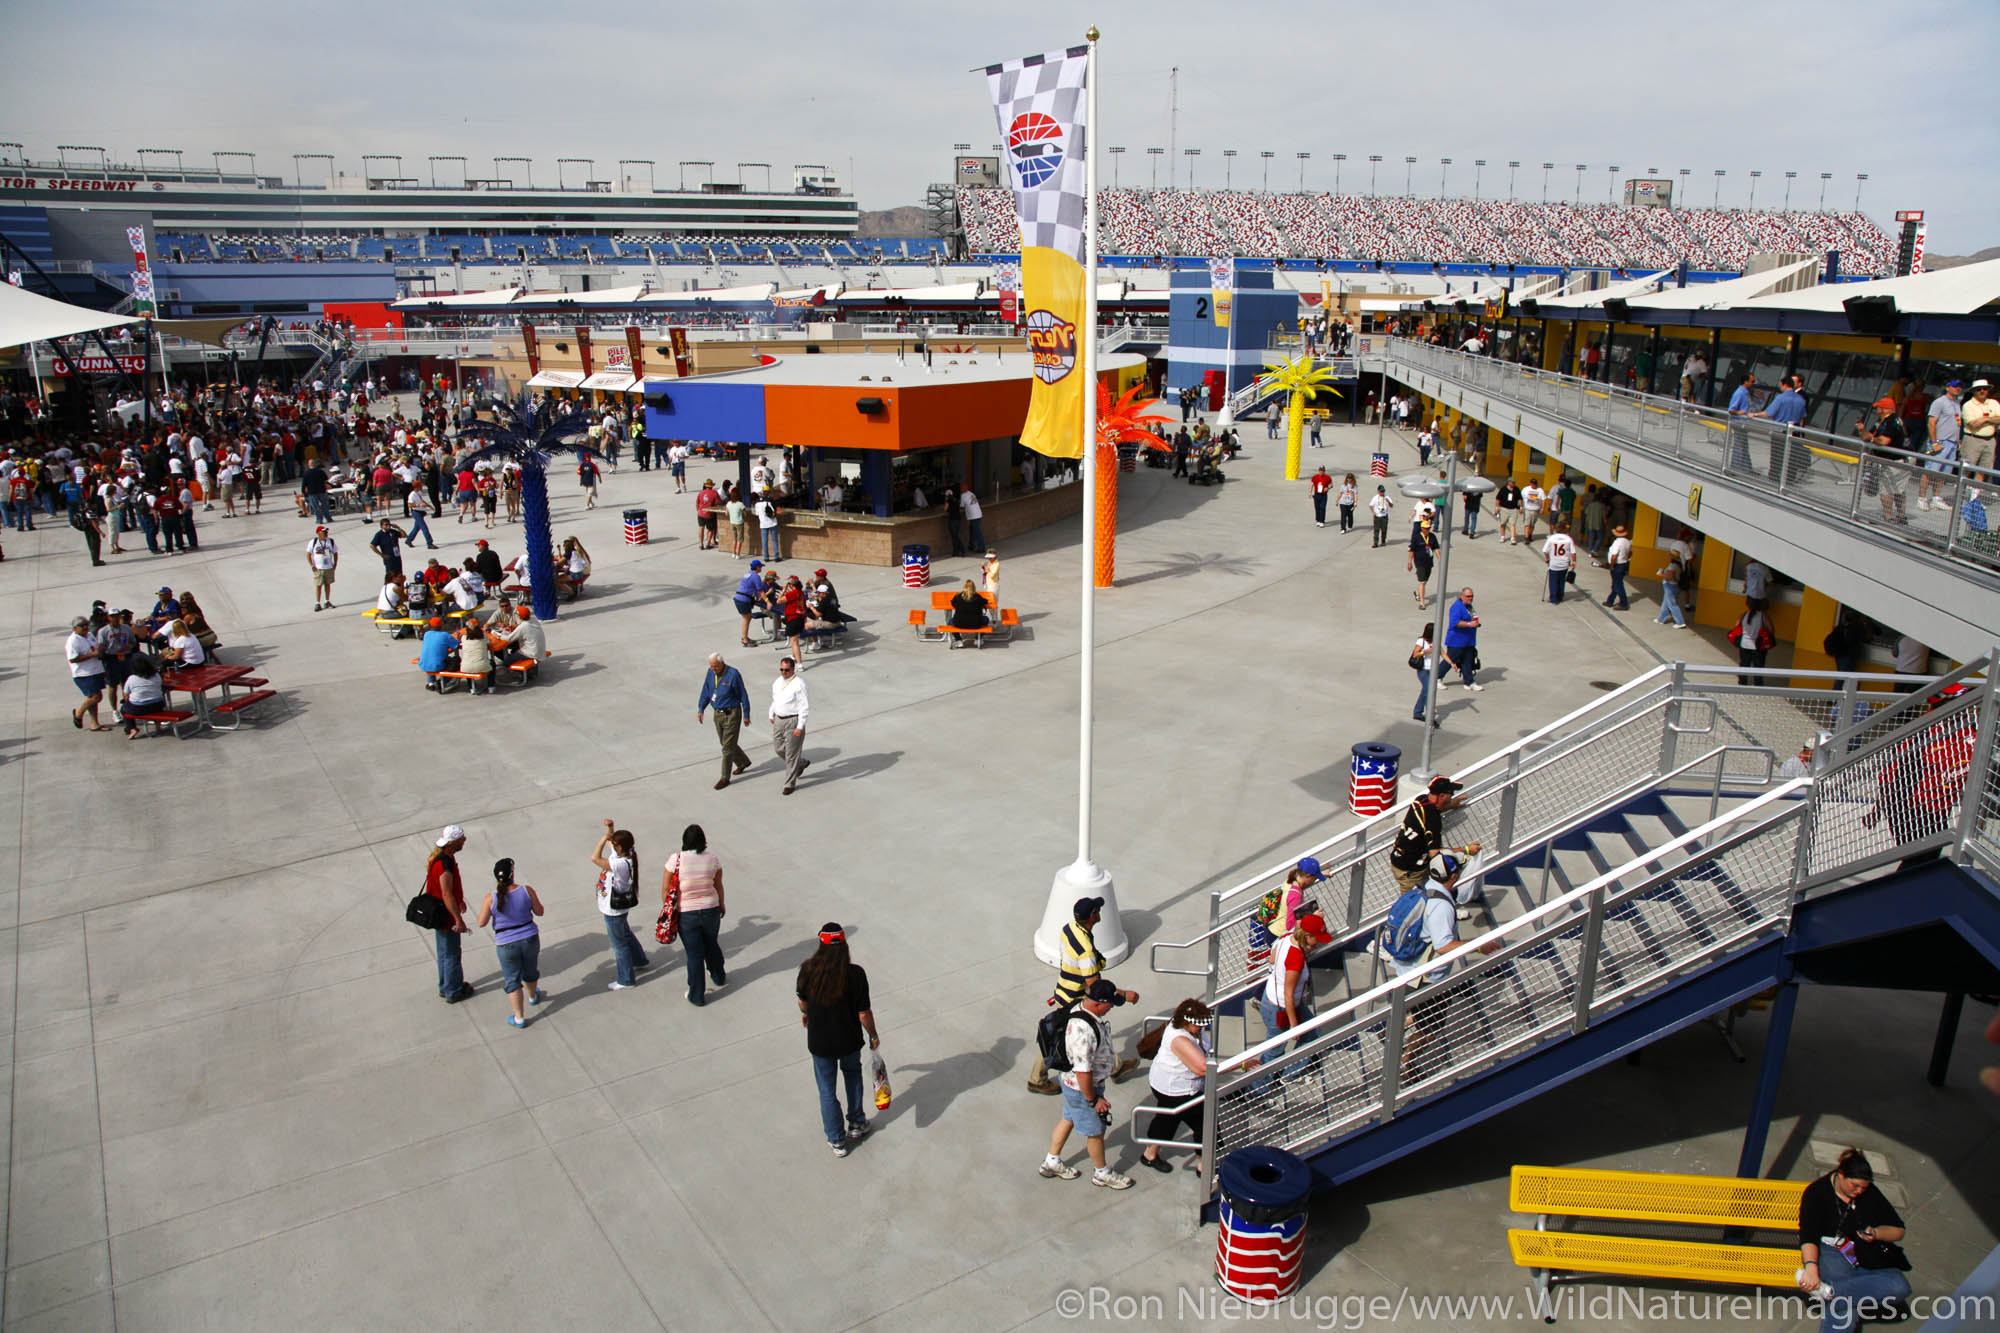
<point>442,883</point>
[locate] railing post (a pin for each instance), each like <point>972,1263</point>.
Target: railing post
<point>1670,718</point>
<point>1854,501</point>
<point>1976,781</point>
<point>1392,1050</point>
<point>1214,943</point>
<point>1957,508</point>
<point>1802,848</point>
<point>1211,1095</point>
<point>1586,964</point>
<point>1509,802</point>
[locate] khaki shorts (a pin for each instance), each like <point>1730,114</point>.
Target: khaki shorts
<point>322,578</point>
<point>1409,879</point>
<point>737,531</point>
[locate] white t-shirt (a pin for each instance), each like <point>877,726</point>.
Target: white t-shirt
<point>1620,552</point>
<point>1531,499</point>
<point>619,876</point>
<point>1756,580</point>
<point>969,503</point>
<point>1560,550</point>
<point>79,665</point>
<point>1379,505</point>
<point>323,552</point>
<point>1286,955</point>
<point>1440,931</point>
<point>189,649</point>
<point>767,514</point>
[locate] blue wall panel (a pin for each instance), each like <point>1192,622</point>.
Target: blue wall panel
<point>720,412</point>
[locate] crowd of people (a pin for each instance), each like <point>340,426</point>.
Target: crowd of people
<point>1406,228</point>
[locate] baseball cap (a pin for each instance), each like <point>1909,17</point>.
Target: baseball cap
<point>320,528</point>
<point>1885,403</point>
<point>1309,866</point>
<point>437,622</point>
<point>1954,384</point>
<point>819,573</point>
<point>452,833</point>
<point>480,545</point>
<point>1443,865</point>
<point>1443,786</point>
<point>1315,925</point>
<point>1104,992</point>
<point>756,564</point>
<point>1086,908</point>
<point>163,588</point>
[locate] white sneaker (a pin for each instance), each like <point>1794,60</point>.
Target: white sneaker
<point>619,985</point>
<point>1057,1170</point>
<point>1477,689</point>
<point>1443,685</point>
<point>1110,1180</point>
<point>839,1149</point>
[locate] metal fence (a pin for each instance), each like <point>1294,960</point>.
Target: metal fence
<point>1830,476</point>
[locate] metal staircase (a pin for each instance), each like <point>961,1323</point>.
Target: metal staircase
<point>1647,867</point>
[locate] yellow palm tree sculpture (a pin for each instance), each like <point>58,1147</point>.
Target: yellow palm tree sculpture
<point>1301,379</point>
<point>1120,422</point>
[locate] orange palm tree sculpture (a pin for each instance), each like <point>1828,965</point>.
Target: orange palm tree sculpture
<point>1120,422</point>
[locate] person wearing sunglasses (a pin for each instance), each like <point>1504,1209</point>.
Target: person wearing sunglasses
<point>1176,1076</point>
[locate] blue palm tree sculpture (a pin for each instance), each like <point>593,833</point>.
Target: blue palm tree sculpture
<point>527,435</point>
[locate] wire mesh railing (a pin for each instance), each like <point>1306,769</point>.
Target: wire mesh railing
<point>1839,479</point>
<point>1550,973</point>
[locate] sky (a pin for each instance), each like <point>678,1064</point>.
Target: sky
<point>881,91</point>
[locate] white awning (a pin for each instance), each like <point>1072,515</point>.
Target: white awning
<point>949,292</point>
<point>1949,291</point>
<point>557,379</point>
<point>469,299</point>
<point>28,318</point>
<point>1730,291</point>
<point>1636,287</point>
<point>761,292</point>
<point>612,381</point>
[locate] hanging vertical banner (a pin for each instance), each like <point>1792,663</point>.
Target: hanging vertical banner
<point>583,347</point>
<point>677,338</point>
<point>142,272</point>
<point>1039,103</point>
<point>533,348</point>
<point>1007,278</point>
<point>1917,250</point>
<point>1222,288</point>
<point>632,346</point>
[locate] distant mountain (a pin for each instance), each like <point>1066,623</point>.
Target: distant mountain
<point>899,222</point>
<point>1953,261</point>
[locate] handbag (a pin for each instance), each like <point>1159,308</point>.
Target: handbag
<point>620,901</point>
<point>668,928</point>
<point>1880,1254</point>
<point>1416,661</point>
<point>1149,1044</point>
<point>428,913</point>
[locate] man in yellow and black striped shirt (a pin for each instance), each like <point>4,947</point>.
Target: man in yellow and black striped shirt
<point>1081,963</point>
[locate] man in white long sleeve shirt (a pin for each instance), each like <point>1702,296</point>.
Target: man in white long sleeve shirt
<point>788,721</point>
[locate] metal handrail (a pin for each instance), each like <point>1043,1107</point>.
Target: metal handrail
<point>1723,449</point>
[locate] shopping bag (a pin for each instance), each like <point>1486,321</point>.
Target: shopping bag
<point>881,1069</point>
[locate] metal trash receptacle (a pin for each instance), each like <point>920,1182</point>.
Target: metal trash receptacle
<point>635,527</point>
<point>1378,465</point>
<point>916,566</point>
<point>1371,783</point>
<point>1260,1243</point>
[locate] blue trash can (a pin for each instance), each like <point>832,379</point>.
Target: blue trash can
<point>1260,1244</point>
<point>916,566</point>
<point>1371,785</point>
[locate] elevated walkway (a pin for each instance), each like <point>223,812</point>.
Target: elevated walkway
<point>1798,500</point>
<point>1648,868</point>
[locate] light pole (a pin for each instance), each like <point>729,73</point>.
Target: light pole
<point>1190,154</point>
<point>1420,487</point>
<point>1409,165</point>
<point>1156,154</point>
<point>767,173</point>
<point>1547,167</point>
<point>1685,173</point>
<point>1116,153</point>
<point>1267,155</point>
<point>1579,185</point>
<point>1338,158</point>
<point>527,169</point>
<point>1859,178</point>
<point>1228,162</point>
<point>1444,170</point>
<point>322,157</point>
<point>652,186</point>
<point>1611,182</point>
<point>1512,167</point>
<point>691,162</point>
<point>180,171</point>
<point>434,168</point>
<point>1789,177</point>
<point>589,170</point>
<point>1715,201</point>
<point>1373,159</point>
<point>1303,158</point>
<point>1824,177</point>
<point>1478,169</point>
<point>1753,189</point>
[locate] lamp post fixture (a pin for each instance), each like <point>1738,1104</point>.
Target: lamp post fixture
<point>527,169</point>
<point>1685,173</point>
<point>1444,170</point>
<point>434,168</point>
<point>1156,154</point>
<point>1373,159</point>
<point>648,163</point>
<point>1116,153</point>
<point>1303,159</point>
<point>1478,169</point>
<point>1790,176</point>
<point>1859,178</point>
<point>1267,155</point>
<point>1228,161</point>
<point>1409,165</point>
<point>1547,167</point>
<point>1338,158</point>
<point>1611,183</point>
<point>1420,487</point>
<point>327,158</point>
<point>1824,177</point>
<point>1190,154</point>
<point>1512,167</point>
<point>1753,189</point>
<point>1580,168</point>
<point>691,162</point>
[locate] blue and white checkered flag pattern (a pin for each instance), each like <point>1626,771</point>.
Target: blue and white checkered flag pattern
<point>1039,103</point>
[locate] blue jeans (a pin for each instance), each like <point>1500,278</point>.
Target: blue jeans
<point>1463,653</point>
<point>451,976</point>
<point>829,1105</point>
<point>317,503</point>
<point>1617,597</point>
<point>418,525</point>
<point>625,948</point>
<point>770,538</point>
<point>1471,521</point>
<point>1423,692</point>
<point>1670,604</point>
<point>700,932</point>
<point>975,535</point>
<point>1558,581</point>
<point>1866,1288</point>
<point>1271,1015</point>
<point>520,963</point>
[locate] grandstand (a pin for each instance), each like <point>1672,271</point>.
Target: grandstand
<point>1397,229</point>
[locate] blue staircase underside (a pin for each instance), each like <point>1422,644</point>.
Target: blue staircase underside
<point>1933,927</point>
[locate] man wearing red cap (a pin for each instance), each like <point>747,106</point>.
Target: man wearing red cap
<point>1888,443</point>
<point>322,558</point>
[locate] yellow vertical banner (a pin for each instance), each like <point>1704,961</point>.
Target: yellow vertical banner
<point>1222,289</point>
<point>1041,106</point>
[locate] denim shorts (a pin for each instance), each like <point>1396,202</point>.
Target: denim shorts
<point>1081,1113</point>
<point>89,685</point>
<point>520,963</point>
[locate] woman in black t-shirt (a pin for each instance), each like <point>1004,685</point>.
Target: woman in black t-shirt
<point>834,1011</point>
<point>1847,1241</point>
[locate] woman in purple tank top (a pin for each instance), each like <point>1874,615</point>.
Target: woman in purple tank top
<point>511,910</point>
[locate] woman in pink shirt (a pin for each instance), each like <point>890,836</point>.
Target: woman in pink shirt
<point>699,876</point>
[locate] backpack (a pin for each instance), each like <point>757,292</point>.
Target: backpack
<point>1402,933</point>
<point>1051,1036</point>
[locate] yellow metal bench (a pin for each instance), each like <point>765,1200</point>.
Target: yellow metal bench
<point>1713,1202</point>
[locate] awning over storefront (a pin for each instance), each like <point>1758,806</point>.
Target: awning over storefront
<point>557,379</point>
<point>27,318</point>
<point>611,381</point>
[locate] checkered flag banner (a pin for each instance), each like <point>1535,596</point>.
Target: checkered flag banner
<point>1039,103</point>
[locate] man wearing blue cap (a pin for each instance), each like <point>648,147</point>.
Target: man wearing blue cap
<point>747,592</point>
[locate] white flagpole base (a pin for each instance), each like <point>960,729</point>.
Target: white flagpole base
<point>1081,879</point>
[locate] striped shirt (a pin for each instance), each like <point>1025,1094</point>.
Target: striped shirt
<point>698,871</point>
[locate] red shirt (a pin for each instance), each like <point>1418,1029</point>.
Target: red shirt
<point>434,882</point>
<point>1322,483</point>
<point>466,479</point>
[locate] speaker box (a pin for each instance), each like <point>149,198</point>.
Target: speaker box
<point>870,406</point>
<point>1871,314</point>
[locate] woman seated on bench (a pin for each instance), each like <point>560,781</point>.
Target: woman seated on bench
<point>573,569</point>
<point>968,611</point>
<point>475,655</point>
<point>140,694</point>
<point>393,603</point>
<point>182,647</point>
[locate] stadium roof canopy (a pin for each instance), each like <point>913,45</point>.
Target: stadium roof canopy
<point>1949,291</point>
<point>1617,291</point>
<point>1729,292</point>
<point>28,318</point>
<point>502,296</point>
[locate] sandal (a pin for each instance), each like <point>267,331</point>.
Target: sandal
<point>76,718</point>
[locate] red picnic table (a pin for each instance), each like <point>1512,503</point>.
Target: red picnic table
<point>199,680</point>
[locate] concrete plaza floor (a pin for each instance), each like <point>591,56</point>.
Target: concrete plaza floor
<point>235,1101</point>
